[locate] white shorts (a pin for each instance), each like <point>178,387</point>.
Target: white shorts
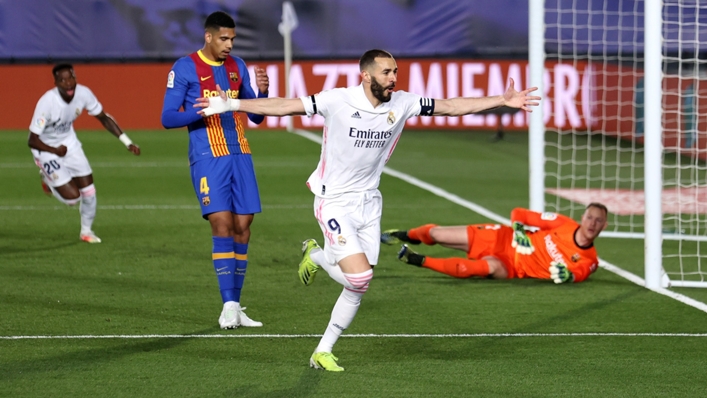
<point>350,224</point>
<point>59,171</point>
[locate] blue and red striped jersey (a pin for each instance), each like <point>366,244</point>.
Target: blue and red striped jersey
<point>196,76</point>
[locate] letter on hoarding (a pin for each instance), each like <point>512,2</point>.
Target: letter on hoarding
<point>452,88</point>
<point>469,70</point>
<point>432,87</point>
<point>566,89</point>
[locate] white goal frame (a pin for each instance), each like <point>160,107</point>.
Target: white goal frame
<point>655,276</point>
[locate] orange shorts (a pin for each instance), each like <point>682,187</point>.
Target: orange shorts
<point>492,240</point>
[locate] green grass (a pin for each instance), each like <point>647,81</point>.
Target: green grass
<point>152,275</point>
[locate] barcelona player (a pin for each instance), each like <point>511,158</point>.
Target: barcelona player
<point>560,249</point>
<point>219,156</point>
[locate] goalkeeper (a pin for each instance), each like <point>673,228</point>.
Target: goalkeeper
<point>559,249</point>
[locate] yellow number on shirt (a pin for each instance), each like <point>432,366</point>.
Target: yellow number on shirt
<point>204,186</point>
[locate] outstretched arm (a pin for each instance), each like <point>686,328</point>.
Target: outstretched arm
<point>109,123</point>
<point>466,105</point>
<point>260,106</point>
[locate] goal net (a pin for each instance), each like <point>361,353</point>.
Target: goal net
<point>624,88</point>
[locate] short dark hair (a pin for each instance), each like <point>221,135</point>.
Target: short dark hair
<point>59,67</point>
<point>219,19</point>
<point>598,206</point>
<point>369,57</point>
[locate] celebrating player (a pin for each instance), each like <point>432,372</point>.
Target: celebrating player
<point>57,151</point>
<point>560,249</point>
<point>221,164</point>
<point>362,126</point>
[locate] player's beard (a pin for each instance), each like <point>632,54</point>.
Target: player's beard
<point>380,92</point>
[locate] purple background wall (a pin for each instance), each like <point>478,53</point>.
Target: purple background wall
<point>165,30</point>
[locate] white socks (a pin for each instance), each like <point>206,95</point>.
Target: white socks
<point>88,207</point>
<point>345,308</point>
<point>355,285</point>
<point>341,316</point>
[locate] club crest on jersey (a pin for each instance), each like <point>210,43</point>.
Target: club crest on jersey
<point>391,117</point>
<point>205,201</point>
<point>342,241</point>
<point>233,76</point>
<point>575,257</point>
<point>78,112</point>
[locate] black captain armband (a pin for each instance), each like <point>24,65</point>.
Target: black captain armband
<point>427,106</point>
<point>314,103</point>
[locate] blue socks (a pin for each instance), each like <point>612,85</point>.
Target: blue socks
<point>225,266</point>
<point>241,255</point>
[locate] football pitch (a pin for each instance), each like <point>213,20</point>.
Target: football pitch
<point>137,314</point>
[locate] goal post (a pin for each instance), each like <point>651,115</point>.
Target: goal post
<point>623,85</point>
<point>653,172</point>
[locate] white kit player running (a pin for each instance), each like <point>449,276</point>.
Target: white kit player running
<point>362,127</point>
<point>57,151</point>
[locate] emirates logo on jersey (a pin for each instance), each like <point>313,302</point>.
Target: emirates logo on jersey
<point>391,117</point>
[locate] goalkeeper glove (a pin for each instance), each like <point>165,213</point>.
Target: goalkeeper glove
<point>559,273</point>
<point>521,241</point>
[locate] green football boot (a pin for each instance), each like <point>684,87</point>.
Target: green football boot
<point>307,268</point>
<point>326,361</point>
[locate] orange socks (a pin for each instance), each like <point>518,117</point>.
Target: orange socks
<point>422,234</point>
<point>457,267</point>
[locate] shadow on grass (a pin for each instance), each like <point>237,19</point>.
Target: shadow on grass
<point>489,347</point>
<point>93,311</point>
<point>34,248</point>
<point>83,359</point>
<point>306,386</point>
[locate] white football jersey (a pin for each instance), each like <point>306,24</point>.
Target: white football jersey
<point>53,118</point>
<point>357,140</point>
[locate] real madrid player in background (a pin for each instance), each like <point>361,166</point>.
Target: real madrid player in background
<point>65,171</point>
<point>362,126</point>
<point>219,156</point>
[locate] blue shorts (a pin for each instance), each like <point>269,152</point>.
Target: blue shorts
<point>226,183</point>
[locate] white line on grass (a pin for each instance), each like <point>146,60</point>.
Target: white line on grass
<point>387,336</point>
<point>499,219</point>
<point>30,165</point>
<point>143,207</point>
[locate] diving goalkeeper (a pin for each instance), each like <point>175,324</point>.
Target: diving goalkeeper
<point>559,249</point>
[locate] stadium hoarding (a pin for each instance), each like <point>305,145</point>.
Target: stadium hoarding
<point>582,97</point>
<point>614,106</point>
<point>136,97</point>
